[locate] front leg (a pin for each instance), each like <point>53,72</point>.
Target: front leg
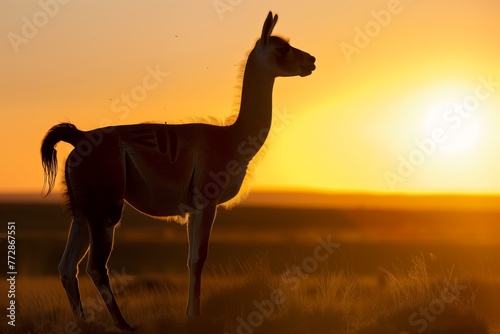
<point>199,228</point>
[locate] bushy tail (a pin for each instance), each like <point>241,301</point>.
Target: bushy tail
<point>66,132</point>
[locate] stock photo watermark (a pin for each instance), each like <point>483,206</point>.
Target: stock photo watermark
<point>452,120</point>
<point>126,102</point>
<point>11,273</point>
<point>221,7</point>
<point>425,315</point>
<point>219,180</point>
<point>31,26</point>
<point>363,36</point>
<point>290,280</point>
<point>93,306</point>
<point>121,106</point>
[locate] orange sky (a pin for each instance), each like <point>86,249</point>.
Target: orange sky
<point>359,124</point>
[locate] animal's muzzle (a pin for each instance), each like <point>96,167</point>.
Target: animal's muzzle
<point>308,67</point>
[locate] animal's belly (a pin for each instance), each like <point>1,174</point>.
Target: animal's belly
<point>159,189</point>
<point>158,205</point>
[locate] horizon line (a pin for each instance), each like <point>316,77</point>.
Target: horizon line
<point>313,199</point>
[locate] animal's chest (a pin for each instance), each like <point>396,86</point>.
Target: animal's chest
<point>225,183</point>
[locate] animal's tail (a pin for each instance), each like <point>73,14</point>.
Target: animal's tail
<point>66,132</point>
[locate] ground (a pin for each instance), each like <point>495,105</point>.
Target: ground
<point>272,271</point>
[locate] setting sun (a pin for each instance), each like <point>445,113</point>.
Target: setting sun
<point>410,70</point>
<point>461,129</point>
<point>346,152</point>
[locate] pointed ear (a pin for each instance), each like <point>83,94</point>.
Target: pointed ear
<point>268,27</point>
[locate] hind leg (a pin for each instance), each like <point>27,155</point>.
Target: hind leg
<point>101,245</point>
<point>76,247</point>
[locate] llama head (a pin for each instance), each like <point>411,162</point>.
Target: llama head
<point>279,57</point>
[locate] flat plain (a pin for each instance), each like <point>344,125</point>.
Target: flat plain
<point>273,270</point>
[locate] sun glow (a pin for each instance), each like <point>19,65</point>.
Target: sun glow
<point>351,122</point>
<point>458,129</point>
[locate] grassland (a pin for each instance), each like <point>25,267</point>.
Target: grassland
<point>263,276</point>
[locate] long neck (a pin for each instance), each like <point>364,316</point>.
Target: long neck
<point>255,116</point>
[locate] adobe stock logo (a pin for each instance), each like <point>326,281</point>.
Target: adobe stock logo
<point>364,35</point>
<point>223,6</point>
<point>126,102</point>
<point>454,120</point>
<point>291,280</point>
<point>427,314</point>
<point>31,26</point>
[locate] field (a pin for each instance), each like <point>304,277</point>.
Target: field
<point>273,270</point>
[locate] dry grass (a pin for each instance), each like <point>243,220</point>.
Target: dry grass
<point>238,298</point>
<point>418,301</point>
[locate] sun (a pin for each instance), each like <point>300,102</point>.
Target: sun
<point>459,128</point>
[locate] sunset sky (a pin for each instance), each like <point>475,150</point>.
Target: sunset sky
<point>405,98</point>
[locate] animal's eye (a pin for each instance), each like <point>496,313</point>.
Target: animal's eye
<point>283,50</point>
